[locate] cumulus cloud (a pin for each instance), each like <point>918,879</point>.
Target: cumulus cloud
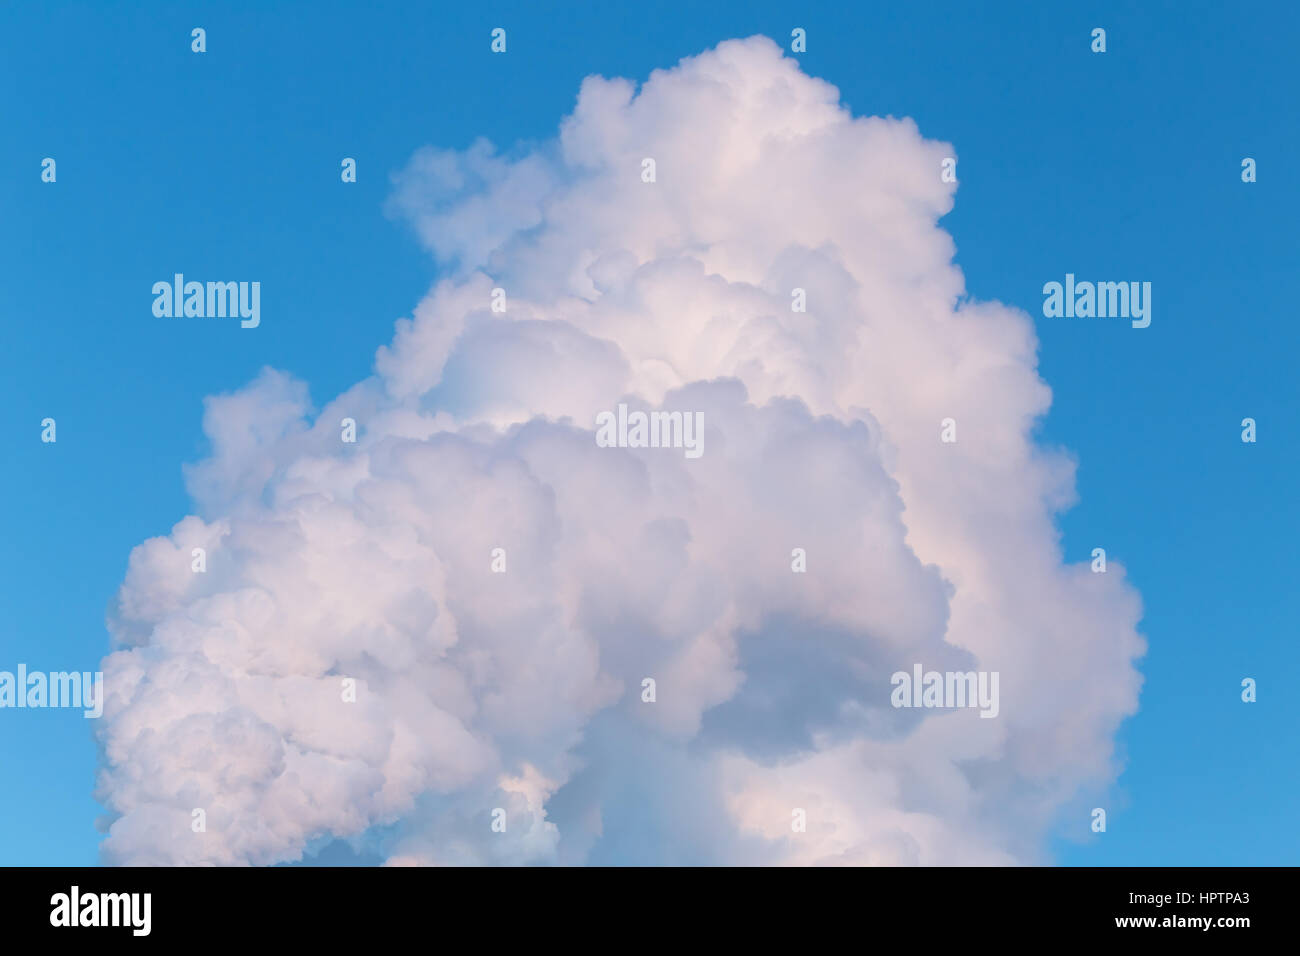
<point>522,690</point>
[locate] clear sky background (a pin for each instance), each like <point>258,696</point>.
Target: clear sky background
<point>1114,166</point>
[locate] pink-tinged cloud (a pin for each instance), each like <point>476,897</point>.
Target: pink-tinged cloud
<point>522,690</point>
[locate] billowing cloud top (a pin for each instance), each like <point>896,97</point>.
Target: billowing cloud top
<point>522,689</point>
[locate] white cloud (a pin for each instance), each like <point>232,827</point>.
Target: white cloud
<point>522,690</point>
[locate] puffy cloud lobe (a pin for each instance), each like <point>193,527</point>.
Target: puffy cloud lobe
<point>522,690</point>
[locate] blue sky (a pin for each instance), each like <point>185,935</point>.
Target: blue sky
<point>1119,165</point>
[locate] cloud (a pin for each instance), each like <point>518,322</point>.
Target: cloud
<point>522,690</point>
